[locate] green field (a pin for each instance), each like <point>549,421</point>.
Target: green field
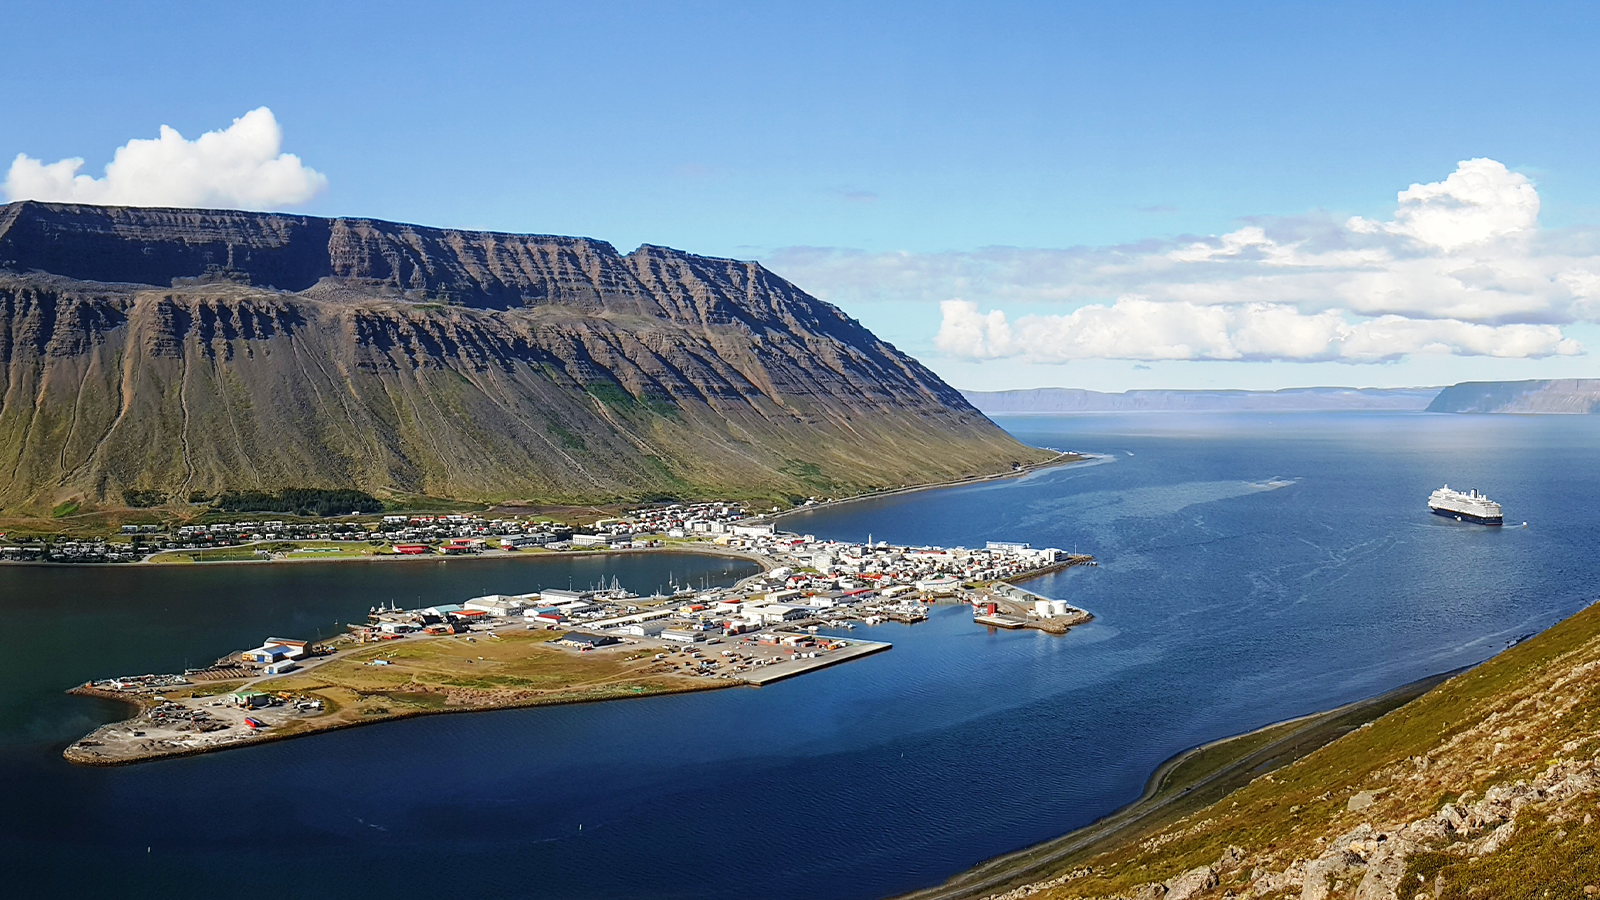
<point>477,671</point>
<point>274,550</point>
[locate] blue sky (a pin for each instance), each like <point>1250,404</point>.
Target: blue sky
<point>896,157</point>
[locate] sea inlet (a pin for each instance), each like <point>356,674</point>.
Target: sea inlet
<point>1252,567</point>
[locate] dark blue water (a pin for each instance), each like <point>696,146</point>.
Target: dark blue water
<point>1253,568</point>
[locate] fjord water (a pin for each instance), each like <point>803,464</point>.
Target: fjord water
<point>1252,567</point>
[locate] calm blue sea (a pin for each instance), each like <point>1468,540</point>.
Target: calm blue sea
<point>1252,567</point>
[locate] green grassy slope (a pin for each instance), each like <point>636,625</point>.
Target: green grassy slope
<point>1487,786</point>
<point>200,390</point>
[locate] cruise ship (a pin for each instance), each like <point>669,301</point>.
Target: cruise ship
<point>1465,507</point>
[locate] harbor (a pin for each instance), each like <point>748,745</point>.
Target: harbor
<point>566,645</point>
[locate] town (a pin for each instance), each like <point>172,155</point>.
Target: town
<point>451,534</point>
<point>603,642</point>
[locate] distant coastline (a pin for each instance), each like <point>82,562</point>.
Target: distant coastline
<point>1560,396</point>
<point>1313,399</point>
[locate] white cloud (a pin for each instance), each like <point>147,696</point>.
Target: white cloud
<point>1460,268</point>
<point>241,166</point>
<point>1140,329</point>
<point>1480,201</point>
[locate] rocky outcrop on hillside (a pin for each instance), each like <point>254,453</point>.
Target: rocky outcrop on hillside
<point>1557,396</point>
<point>177,353</point>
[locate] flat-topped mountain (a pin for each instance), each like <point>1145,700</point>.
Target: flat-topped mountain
<point>1558,395</point>
<point>158,354</point>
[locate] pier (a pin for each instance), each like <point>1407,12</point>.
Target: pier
<point>783,670</point>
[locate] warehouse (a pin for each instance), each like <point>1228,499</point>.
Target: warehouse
<point>586,641</point>
<point>269,654</point>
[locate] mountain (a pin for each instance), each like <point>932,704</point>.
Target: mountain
<point>1057,400</point>
<point>151,355</point>
<point>1562,395</point>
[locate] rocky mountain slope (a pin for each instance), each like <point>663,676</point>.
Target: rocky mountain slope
<point>1562,395</point>
<point>1053,400</point>
<point>160,354</point>
<point>1486,787</point>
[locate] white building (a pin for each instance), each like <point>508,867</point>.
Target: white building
<point>496,605</point>
<point>775,613</point>
<point>1006,545</point>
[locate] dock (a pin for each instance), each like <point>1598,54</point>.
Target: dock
<point>793,667</point>
<point>1000,621</point>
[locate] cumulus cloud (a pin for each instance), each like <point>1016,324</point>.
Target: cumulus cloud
<point>1136,328</point>
<point>1461,267</point>
<point>241,166</point>
<point>1480,201</point>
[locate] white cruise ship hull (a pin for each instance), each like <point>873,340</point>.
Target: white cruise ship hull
<point>1463,516</point>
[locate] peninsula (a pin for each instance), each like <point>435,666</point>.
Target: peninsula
<point>565,646</point>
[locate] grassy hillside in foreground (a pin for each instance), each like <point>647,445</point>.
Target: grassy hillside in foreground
<point>1485,787</point>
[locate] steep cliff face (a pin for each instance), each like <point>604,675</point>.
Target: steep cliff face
<point>1557,396</point>
<point>181,351</point>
